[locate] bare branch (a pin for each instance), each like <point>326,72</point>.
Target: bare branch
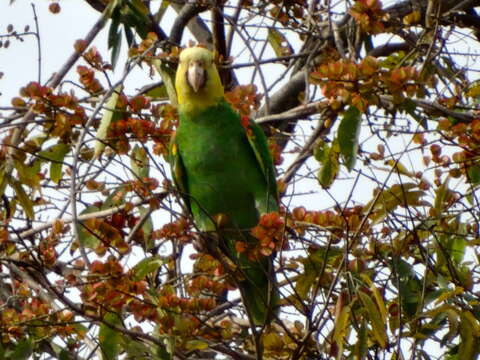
<point>187,13</point>
<point>92,215</point>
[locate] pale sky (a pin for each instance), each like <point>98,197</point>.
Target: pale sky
<point>19,62</point>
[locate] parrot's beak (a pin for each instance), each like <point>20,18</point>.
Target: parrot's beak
<point>196,75</point>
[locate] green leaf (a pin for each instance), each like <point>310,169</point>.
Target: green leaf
<point>109,338</point>
<point>147,228</point>
<point>114,40</point>
<point>139,8</point>
<point>403,268</point>
<point>410,108</point>
<point>28,174</point>
<point>112,7</point>
<point>114,199</point>
<point>378,325</point>
<point>474,174</point>
<point>328,158</point>
<point>377,296</point>
<point>129,35</point>
<point>65,355</point>
<point>440,195</point>
<point>306,280</point>
<point>23,350</point>
<point>109,115</point>
<point>166,352</point>
<point>136,13</point>
<point>86,237</point>
<point>147,266</point>
<point>401,169</point>
<point>3,179</point>
<point>453,325</point>
<point>136,349</point>
<point>313,266</point>
<point>55,154</point>
<point>389,199</point>
<point>361,346</point>
<point>329,254</point>
<point>456,248</point>
<point>368,43</point>
<point>409,287</point>
<point>140,162</point>
<point>348,133</point>
<point>23,198</point>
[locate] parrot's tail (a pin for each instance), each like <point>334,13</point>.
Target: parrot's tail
<point>259,291</point>
<point>257,284</point>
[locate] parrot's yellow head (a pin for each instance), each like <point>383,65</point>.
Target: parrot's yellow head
<point>197,80</point>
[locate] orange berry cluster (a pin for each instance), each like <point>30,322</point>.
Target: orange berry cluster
<point>270,234</point>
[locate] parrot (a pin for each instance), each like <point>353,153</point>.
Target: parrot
<point>224,173</point>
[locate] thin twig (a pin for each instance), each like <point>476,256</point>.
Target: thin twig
<point>29,116</point>
<point>39,47</point>
<point>48,299</point>
<point>257,65</point>
<point>306,152</point>
<point>92,215</point>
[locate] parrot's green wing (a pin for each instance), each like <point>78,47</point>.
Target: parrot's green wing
<point>258,142</point>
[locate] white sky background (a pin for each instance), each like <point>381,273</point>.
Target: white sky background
<point>58,34</point>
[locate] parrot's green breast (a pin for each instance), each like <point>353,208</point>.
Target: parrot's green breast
<point>222,173</point>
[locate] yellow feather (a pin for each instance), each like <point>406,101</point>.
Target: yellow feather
<point>210,94</point>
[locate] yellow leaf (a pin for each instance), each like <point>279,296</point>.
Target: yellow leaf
<point>378,326</point>
<point>168,76</point>
<point>449,294</point>
<point>272,341</point>
<point>469,337</point>
<point>106,120</point>
<point>341,327</point>
<point>23,199</point>
<point>196,345</point>
<point>378,297</point>
<point>412,18</point>
<point>400,168</point>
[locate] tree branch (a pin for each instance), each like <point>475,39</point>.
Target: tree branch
<point>187,13</point>
<point>431,107</point>
<point>92,215</point>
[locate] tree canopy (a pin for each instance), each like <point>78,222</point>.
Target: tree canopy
<point>372,112</point>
